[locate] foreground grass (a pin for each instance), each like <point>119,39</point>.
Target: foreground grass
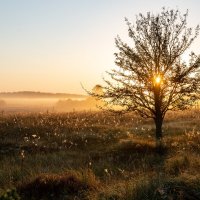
<point>93,155</point>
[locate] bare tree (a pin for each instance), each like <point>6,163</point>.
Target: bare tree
<point>151,76</point>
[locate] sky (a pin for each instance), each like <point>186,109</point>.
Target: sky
<point>57,45</point>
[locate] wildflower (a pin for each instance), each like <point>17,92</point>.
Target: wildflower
<point>121,170</point>
<point>26,139</point>
<point>22,154</point>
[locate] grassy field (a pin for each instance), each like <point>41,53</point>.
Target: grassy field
<point>98,156</point>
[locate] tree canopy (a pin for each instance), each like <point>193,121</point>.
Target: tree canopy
<point>151,76</point>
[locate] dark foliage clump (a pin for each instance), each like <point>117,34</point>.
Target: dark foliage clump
<point>10,194</point>
<point>51,186</point>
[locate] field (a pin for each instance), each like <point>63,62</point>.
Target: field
<point>98,156</point>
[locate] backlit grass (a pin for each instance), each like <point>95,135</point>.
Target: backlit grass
<point>95,155</point>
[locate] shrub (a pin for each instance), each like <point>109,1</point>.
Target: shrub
<point>51,186</point>
<point>10,195</point>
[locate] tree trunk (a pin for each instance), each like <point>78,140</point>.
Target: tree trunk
<point>158,133</point>
<point>158,123</point>
<point>158,118</point>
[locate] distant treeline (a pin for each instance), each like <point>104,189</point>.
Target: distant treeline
<point>89,103</point>
<point>32,94</point>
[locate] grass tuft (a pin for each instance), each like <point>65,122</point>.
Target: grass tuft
<point>51,186</point>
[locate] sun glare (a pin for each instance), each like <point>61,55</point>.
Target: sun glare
<point>157,79</point>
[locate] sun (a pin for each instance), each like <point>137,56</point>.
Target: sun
<point>157,79</point>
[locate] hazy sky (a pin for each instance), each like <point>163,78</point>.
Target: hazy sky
<point>53,45</point>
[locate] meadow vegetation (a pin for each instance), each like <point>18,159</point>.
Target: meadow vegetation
<point>98,156</point>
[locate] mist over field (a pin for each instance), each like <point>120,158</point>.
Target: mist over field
<point>26,102</point>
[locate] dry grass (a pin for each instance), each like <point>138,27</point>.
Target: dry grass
<point>71,184</point>
<point>96,156</point>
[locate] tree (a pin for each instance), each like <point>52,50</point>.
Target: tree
<point>151,76</point>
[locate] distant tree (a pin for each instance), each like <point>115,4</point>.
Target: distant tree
<point>151,77</point>
<point>91,100</point>
<point>97,89</point>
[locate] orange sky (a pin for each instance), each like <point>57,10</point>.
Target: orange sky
<point>53,46</point>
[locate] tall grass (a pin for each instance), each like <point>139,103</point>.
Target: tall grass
<point>112,154</point>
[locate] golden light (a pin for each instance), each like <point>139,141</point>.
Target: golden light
<point>157,79</point>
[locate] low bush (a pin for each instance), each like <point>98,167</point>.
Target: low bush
<point>10,195</point>
<point>53,186</point>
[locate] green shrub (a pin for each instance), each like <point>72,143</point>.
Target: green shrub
<point>10,195</point>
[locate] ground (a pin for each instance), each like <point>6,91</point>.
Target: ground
<point>99,156</point>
